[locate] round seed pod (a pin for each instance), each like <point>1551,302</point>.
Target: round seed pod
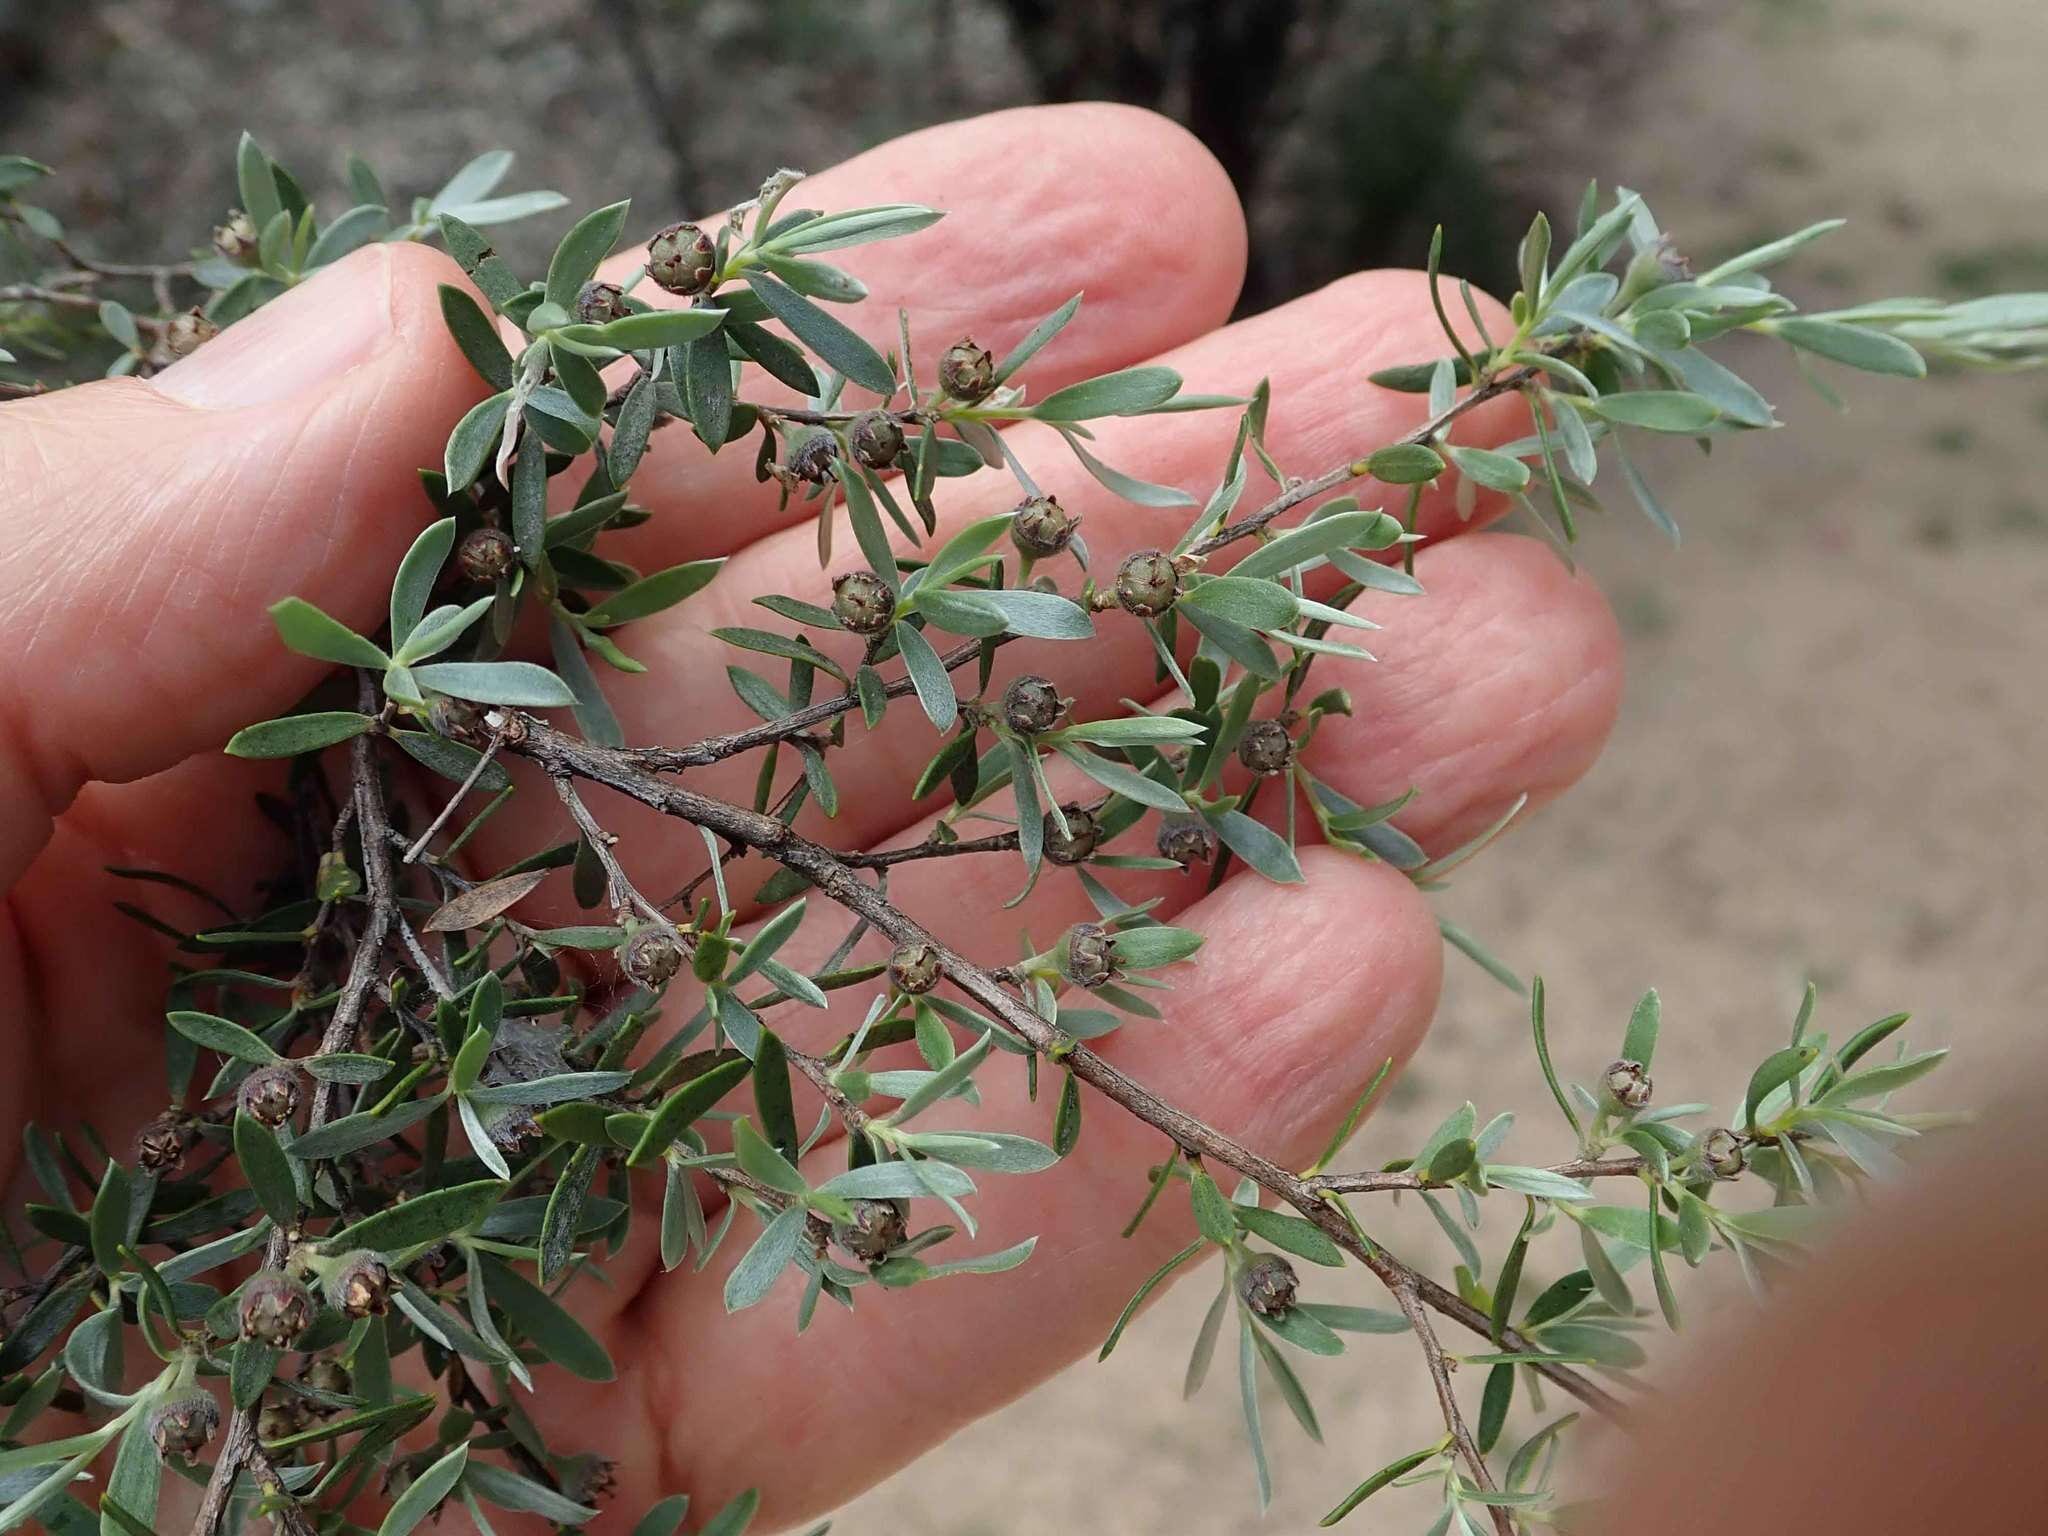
<point>1078,842</point>
<point>914,968</point>
<point>1091,956</point>
<point>877,1227</point>
<point>1723,1154</point>
<point>597,303</point>
<point>1267,1285</point>
<point>1147,583</point>
<point>161,1144</point>
<point>877,439</point>
<point>682,259</point>
<point>966,372</point>
<point>270,1094</point>
<point>1265,747</point>
<point>1628,1083</point>
<point>458,720</point>
<point>187,333</point>
<point>181,1426</point>
<point>1187,840</point>
<point>1031,704</point>
<point>485,554</point>
<point>1041,528</point>
<point>863,602</point>
<point>360,1285</point>
<point>811,460</point>
<point>275,1309</point>
<point>238,239</point>
<point>650,956</point>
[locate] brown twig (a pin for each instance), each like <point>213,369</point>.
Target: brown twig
<point>1447,1399</point>
<point>1383,1183</point>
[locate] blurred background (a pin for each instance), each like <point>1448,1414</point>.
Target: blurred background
<point>1829,764</point>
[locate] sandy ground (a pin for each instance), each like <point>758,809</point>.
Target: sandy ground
<point>1828,763</point>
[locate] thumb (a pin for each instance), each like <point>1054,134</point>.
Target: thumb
<point>159,519</point>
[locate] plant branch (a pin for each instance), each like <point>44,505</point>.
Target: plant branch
<point>1382,1183</point>
<point>619,770</point>
<point>1353,469</point>
<point>1447,1399</point>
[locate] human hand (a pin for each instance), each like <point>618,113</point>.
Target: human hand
<point>163,517</point>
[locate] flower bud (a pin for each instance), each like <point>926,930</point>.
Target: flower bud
<point>650,957</point>
<point>1031,704</point>
<point>1187,840</point>
<point>187,333</point>
<point>1091,956</point>
<point>966,372</point>
<point>1074,845</point>
<point>863,602</point>
<point>1723,1154</point>
<point>1265,747</point>
<point>182,1425</point>
<point>1147,583</point>
<point>238,239</point>
<point>1267,1285</point>
<point>359,1285</point>
<point>275,1309</point>
<point>334,878</point>
<point>270,1094</point>
<point>161,1144</point>
<point>1628,1083</point>
<point>812,459</point>
<point>877,1226</point>
<point>600,303</point>
<point>485,554</point>
<point>914,968</point>
<point>1041,528</point>
<point>682,259</point>
<point>877,439</point>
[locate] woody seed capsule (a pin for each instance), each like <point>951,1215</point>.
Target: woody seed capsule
<point>360,1286</point>
<point>650,956</point>
<point>598,303</point>
<point>486,554</point>
<point>181,1426</point>
<point>877,439</point>
<point>1628,1082</point>
<point>237,240</point>
<point>162,1143</point>
<point>877,1226</point>
<point>812,458</point>
<point>1031,704</point>
<point>1186,840</point>
<point>863,602</point>
<point>1147,583</point>
<point>966,372</point>
<point>270,1094</point>
<point>327,1375</point>
<point>275,1309</point>
<point>187,333</point>
<point>1267,1285</point>
<point>1723,1154</point>
<point>1265,747</point>
<point>1091,956</point>
<point>1074,845</point>
<point>914,968</point>
<point>1041,528</point>
<point>682,259</point>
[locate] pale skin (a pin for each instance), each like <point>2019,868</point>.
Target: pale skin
<point>156,521</point>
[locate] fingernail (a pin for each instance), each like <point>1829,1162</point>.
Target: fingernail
<point>309,337</point>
